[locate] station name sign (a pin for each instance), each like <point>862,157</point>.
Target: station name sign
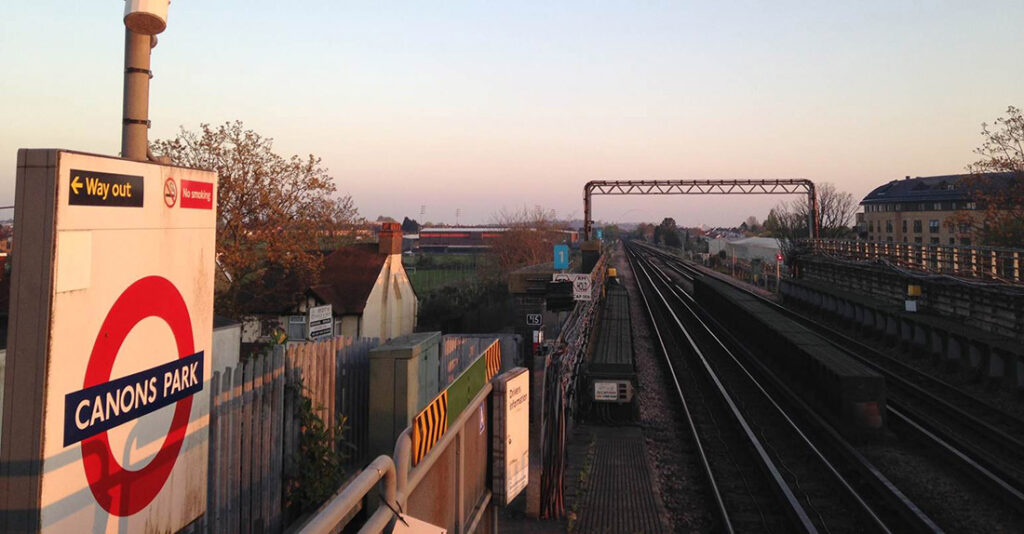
<point>99,408</point>
<point>92,188</point>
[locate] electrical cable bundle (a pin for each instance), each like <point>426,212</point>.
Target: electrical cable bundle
<point>559,402</point>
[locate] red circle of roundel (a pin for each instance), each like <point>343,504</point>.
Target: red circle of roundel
<point>120,491</point>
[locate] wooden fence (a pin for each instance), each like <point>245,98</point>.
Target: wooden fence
<point>336,377</point>
<point>255,427</point>
<point>247,427</point>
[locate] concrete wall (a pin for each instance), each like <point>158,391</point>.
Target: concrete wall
<point>227,343</point>
<point>994,308</point>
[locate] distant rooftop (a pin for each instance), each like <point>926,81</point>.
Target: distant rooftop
<point>930,188</point>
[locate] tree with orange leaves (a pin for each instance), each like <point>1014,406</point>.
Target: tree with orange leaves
<point>995,186</point>
<point>274,214</point>
<point>528,239</point>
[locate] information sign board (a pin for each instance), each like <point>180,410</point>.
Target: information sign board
<point>321,322</point>
<point>106,388</point>
<point>511,404</point>
<point>606,391</point>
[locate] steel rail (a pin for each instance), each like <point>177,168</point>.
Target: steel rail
<point>906,508</point>
<point>968,455</point>
<point>723,512</point>
<point>793,506</point>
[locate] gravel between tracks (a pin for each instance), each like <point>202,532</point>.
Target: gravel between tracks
<point>673,461</point>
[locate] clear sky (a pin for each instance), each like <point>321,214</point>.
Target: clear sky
<point>475,106</point>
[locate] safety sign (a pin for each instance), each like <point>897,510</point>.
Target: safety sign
<point>581,284</point>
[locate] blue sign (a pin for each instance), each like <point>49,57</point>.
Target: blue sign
<point>99,408</point>
<point>600,233</point>
<point>561,257</point>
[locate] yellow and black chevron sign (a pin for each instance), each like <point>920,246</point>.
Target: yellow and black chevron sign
<point>429,426</point>
<point>493,355</point>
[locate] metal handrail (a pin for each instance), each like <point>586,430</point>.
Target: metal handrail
<point>399,482</point>
<point>343,503</point>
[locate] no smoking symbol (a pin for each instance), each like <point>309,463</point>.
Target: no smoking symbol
<point>170,192</point>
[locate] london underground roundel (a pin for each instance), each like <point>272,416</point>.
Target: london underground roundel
<point>118,490</point>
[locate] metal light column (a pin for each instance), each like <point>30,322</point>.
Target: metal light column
<point>135,112</point>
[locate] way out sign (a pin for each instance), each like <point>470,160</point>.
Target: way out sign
<point>105,408</point>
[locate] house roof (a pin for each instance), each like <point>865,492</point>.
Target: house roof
<point>348,276</point>
<point>931,188</point>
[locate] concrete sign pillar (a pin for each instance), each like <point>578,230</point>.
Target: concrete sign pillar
<point>105,406</point>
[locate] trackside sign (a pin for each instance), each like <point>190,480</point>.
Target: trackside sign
<point>105,411</point>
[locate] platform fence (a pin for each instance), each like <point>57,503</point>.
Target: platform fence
<point>255,426</point>
<point>986,263</point>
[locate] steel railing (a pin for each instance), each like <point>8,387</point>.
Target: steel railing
<point>987,263</point>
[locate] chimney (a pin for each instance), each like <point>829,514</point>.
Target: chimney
<point>390,238</point>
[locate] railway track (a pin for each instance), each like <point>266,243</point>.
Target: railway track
<point>753,450</point>
<point>983,441</point>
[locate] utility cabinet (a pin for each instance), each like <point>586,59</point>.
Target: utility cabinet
<point>403,379</point>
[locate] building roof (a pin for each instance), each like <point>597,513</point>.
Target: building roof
<point>348,276</point>
<point>930,188</point>
<point>461,229</point>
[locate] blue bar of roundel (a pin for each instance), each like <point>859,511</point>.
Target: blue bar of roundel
<point>73,434</point>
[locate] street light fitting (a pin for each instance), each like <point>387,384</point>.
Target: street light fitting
<point>146,17</point>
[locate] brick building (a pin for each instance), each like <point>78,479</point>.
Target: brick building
<point>917,210</point>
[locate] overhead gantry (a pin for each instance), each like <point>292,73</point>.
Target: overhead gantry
<point>700,187</point>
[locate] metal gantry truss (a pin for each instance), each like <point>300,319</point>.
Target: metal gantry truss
<point>699,187</point>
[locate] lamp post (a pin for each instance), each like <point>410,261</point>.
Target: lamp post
<point>143,20</point>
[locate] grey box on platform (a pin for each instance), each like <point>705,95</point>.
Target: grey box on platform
<point>403,379</point>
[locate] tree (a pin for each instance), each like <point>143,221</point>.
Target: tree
<point>751,225</point>
<point>612,232</point>
<point>787,221</point>
<point>410,226</point>
<point>996,183</point>
<point>667,233</point>
<point>528,239</point>
<point>274,214</point>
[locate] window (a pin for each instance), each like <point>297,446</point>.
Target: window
<point>888,226</point>
<point>904,239</point>
<point>937,206</point>
<point>963,228</point>
<point>297,327</point>
<point>935,241</point>
<point>917,240</point>
<point>871,226</point>
<point>965,241</point>
<point>933,226</point>
<point>888,239</point>
<point>972,205</point>
<point>917,226</point>
<point>904,226</point>
<point>952,241</point>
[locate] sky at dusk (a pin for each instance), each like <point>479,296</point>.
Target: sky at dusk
<point>474,106</point>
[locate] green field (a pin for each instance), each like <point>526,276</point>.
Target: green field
<point>426,281</point>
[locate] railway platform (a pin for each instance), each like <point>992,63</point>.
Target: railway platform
<point>608,483</point>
